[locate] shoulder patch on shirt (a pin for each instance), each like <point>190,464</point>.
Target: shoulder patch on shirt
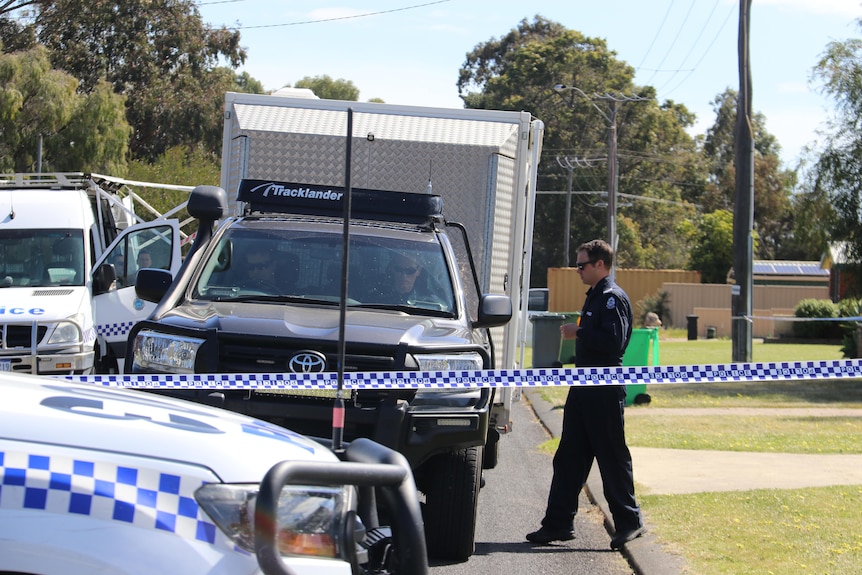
<point>611,303</point>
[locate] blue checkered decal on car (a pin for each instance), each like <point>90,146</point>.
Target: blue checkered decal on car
<point>144,498</point>
<point>114,329</point>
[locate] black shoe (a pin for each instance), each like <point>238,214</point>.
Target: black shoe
<point>545,535</point>
<point>623,537</point>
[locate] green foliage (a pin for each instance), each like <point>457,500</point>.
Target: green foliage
<point>79,131</point>
<point>838,171</point>
<point>816,308</point>
<point>96,139</point>
<point>245,83</point>
<point>712,255</point>
<point>850,307</point>
<point>658,303</point>
<point>773,217</point>
<point>151,52</point>
<point>655,152</point>
<point>814,217</point>
<point>177,166</point>
<point>15,35</point>
<point>325,87</point>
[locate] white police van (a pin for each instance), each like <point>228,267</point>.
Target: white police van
<point>70,250</point>
<point>101,480</point>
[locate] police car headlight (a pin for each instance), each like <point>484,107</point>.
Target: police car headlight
<point>310,519</point>
<point>470,361</point>
<point>164,352</point>
<point>68,331</point>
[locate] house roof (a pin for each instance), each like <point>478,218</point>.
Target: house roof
<point>785,273</point>
<point>836,255</point>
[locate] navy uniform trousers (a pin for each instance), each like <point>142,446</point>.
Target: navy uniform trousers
<point>593,429</point>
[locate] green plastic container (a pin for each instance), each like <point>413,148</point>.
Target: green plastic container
<point>642,350</point>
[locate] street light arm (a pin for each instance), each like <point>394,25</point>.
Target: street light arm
<point>560,88</point>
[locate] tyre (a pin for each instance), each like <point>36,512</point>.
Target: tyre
<point>451,504</point>
<point>492,450</point>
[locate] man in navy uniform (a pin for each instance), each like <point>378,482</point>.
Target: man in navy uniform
<point>593,426</point>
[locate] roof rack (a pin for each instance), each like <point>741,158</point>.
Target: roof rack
<point>267,196</point>
<point>50,180</point>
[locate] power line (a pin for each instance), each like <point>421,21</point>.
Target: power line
<point>690,50</point>
<point>676,71</point>
<point>333,19</point>
<point>657,34</point>
<point>675,38</point>
<point>705,52</point>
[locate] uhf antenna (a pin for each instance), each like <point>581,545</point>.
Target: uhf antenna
<point>430,166</point>
<point>338,408</point>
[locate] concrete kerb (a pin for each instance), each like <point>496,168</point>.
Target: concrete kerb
<point>644,554</point>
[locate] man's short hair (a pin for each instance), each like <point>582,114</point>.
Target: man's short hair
<point>598,250</point>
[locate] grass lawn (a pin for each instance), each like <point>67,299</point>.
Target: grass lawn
<point>767,531</point>
<point>787,532</point>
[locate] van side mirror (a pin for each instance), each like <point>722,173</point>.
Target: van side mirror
<point>103,278</point>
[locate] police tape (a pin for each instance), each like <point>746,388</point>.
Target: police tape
<point>495,378</point>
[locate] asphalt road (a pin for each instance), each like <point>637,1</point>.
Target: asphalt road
<point>512,503</point>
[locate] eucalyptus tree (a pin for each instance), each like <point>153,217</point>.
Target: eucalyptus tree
<point>838,172</point>
<point>172,68</point>
<point>325,87</point>
<point>774,220</point>
<point>40,109</point>
<point>658,159</point>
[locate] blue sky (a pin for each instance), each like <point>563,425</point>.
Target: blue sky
<point>410,51</point>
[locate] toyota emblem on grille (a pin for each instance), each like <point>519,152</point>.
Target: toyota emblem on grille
<point>307,362</point>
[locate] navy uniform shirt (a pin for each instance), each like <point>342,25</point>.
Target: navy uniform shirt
<point>605,326</point>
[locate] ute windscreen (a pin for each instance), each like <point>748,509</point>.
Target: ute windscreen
<point>250,262</point>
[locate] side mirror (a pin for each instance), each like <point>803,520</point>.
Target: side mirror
<point>494,310</point>
<point>103,278</point>
<point>152,284</point>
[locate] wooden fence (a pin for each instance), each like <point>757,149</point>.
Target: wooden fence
<point>711,303</point>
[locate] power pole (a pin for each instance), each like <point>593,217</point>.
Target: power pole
<point>568,225</point>
<point>613,101</point>
<point>613,177</point>
<point>743,213</point>
<point>569,164</point>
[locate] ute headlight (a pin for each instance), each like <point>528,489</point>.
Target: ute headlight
<point>470,361</point>
<point>68,331</point>
<point>310,520</point>
<point>165,352</point>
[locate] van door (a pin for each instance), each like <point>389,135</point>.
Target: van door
<point>149,245</point>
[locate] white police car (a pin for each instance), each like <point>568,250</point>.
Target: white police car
<point>100,480</point>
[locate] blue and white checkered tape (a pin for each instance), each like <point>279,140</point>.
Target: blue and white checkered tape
<point>535,377</point>
<point>144,498</point>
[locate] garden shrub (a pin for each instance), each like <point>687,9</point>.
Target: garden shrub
<point>658,303</point>
<point>816,308</point>
<point>850,307</point>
